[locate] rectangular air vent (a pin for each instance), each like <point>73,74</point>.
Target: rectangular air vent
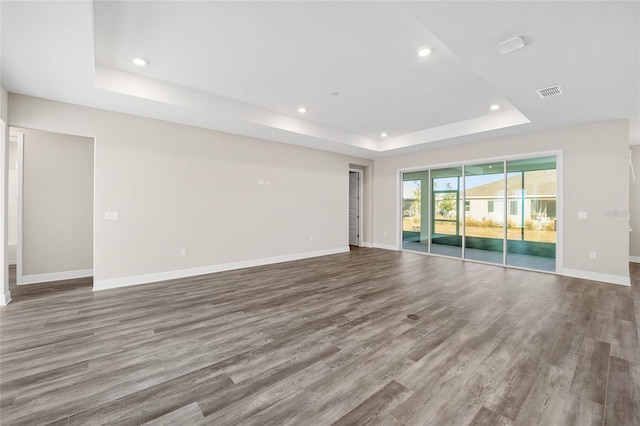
<point>550,92</point>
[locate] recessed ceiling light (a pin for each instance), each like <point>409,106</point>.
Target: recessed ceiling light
<point>424,51</point>
<point>383,135</point>
<point>140,62</point>
<point>494,107</point>
<point>302,110</point>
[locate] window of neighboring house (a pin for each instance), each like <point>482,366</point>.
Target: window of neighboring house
<point>491,207</point>
<point>467,206</point>
<point>513,207</point>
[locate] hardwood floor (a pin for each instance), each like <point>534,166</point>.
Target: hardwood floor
<point>326,341</point>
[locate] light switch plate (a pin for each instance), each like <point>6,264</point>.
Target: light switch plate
<point>111,215</point>
<point>582,215</point>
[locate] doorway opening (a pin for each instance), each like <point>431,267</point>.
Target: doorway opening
<point>50,203</point>
<point>355,207</point>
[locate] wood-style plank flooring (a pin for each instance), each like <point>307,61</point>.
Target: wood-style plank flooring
<point>326,341</point>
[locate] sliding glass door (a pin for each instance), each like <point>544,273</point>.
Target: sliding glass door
<point>501,212</point>
<point>532,198</point>
<point>446,238</point>
<point>484,219</point>
<point>415,216</point>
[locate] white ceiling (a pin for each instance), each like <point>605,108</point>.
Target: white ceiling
<point>246,67</point>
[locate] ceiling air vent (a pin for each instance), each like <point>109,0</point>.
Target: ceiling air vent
<point>550,92</point>
<point>510,45</point>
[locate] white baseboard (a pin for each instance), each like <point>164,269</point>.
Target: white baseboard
<point>5,298</point>
<point>184,273</point>
<point>634,259</point>
<point>55,276</point>
<point>385,246</point>
<point>365,244</point>
<point>596,276</point>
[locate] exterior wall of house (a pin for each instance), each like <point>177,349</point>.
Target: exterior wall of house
<point>477,209</point>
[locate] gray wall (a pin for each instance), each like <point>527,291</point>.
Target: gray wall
<point>57,203</point>
<point>634,206</point>
<point>595,177</point>
<point>176,187</point>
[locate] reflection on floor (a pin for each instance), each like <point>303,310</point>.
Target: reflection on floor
<point>513,259</point>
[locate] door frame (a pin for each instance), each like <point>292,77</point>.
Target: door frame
<point>360,203</point>
<point>558,153</point>
<point>18,137</point>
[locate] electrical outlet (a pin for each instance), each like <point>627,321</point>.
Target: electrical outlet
<point>592,254</point>
<point>111,216</point>
<point>385,234</point>
<point>183,252</point>
<point>583,215</point>
<point>311,239</point>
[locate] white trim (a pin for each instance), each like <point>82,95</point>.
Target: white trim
<point>399,217</point>
<point>202,270</point>
<point>56,276</point>
<point>505,217</point>
<point>5,295</point>
<point>399,211</point>
<point>634,259</point>
<point>18,138</point>
<point>596,276</point>
<point>93,220</point>
<point>385,246</point>
<point>366,244</point>
<point>559,209</point>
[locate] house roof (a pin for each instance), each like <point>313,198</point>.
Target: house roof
<point>539,182</point>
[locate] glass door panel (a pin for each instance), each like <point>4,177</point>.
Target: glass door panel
<point>532,196</point>
<point>446,237</point>
<point>484,212</point>
<point>415,217</point>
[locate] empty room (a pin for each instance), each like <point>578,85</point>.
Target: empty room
<point>320,213</point>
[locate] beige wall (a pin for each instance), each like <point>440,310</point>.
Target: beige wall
<point>57,213</point>
<point>176,187</point>
<point>595,180</point>
<point>634,205</point>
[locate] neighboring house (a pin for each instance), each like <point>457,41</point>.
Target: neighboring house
<point>533,203</point>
